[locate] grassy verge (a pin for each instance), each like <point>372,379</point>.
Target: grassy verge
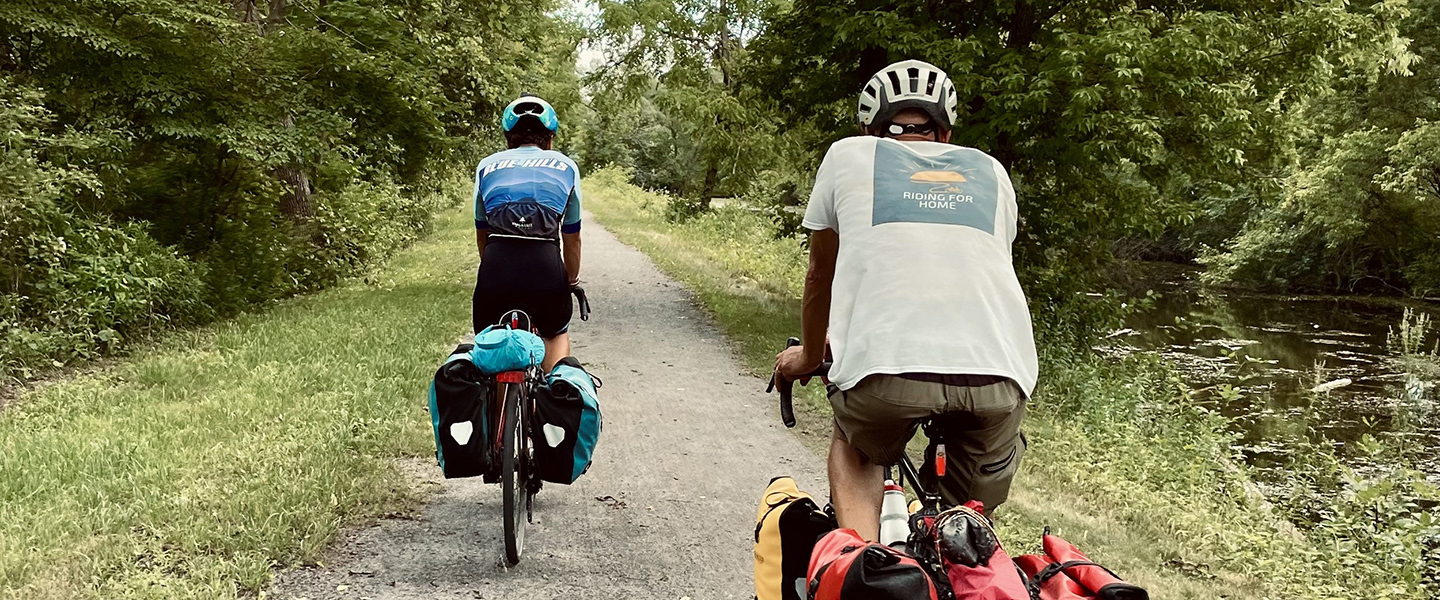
<point>195,469</point>
<point>1122,461</point>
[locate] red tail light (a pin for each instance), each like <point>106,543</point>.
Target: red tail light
<point>511,377</point>
<point>939,460</point>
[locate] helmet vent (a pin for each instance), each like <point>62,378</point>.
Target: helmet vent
<point>905,85</point>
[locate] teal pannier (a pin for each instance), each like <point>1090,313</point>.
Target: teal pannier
<point>567,424</point>
<point>460,416</point>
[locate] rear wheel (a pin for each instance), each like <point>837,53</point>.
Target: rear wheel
<point>514,471</point>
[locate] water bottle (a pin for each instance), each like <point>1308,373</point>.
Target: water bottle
<point>894,518</point>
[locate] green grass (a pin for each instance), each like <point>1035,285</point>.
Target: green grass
<point>199,466</point>
<point>1122,461</point>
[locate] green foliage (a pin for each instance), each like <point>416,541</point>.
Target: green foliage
<point>1168,127</point>
<point>87,287</point>
<point>261,149</point>
<point>229,452</point>
<point>1120,451</point>
<point>672,101</point>
<point>1358,210</point>
<point>1114,120</point>
<point>72,283</point>
<point>636,135</point>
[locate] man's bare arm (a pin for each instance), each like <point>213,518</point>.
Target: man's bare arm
<point>815,306</point>
<point>480,236</point>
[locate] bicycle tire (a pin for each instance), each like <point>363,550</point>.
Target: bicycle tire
<point>512,475</point>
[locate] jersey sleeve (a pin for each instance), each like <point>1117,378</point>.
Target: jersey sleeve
<point>570,221</point>
<point>1007,196</point>
<point>820,212</point>
<point>477,201</point>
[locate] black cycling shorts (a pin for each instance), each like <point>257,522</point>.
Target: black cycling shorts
<point>526,275</point>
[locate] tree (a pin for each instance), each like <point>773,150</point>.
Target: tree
<point>685,59</point>
<point>1113,118</point>
<point>1360,208</point>
<point>241,150</point>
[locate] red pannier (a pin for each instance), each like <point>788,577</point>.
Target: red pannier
<point>1063,572</point>
<point>846,567</point>
<point>976,565</point>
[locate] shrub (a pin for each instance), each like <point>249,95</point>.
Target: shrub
<point>76,284</point>
<point>85,285</point>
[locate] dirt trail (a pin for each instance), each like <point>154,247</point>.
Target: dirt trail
<point>667,510</point>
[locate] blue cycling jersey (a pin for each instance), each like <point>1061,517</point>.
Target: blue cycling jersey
<point>527,192</point>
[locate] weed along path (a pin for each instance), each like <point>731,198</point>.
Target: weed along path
<point>666,511</point>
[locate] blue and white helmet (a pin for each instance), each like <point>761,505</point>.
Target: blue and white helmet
<point>529,106</point>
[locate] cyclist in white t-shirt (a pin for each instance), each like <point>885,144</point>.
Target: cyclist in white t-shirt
<point>911,279</point>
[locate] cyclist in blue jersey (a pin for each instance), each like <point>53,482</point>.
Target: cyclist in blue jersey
<point>527,227</point>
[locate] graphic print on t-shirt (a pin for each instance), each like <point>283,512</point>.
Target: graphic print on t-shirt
<point>954,188</point>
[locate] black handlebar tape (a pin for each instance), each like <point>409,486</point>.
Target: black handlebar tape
<point>581,300</point>
<point>787,391</point>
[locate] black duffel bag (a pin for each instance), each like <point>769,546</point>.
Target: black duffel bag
<point>460,415</point>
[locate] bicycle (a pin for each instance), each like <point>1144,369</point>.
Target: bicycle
<point>519,481</point>
<point>933,468</point>
<point>934,464</point>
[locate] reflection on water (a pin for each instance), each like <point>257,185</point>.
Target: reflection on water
<point>1259,357</point>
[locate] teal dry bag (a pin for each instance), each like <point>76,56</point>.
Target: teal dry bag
<point>501,349</point>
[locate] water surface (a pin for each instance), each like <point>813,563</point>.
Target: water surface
<point>1259,358</point>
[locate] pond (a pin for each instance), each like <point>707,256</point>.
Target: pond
<point>1286,369</point>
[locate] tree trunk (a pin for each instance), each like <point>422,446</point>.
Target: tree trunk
<point>712,180</point>
<point>276,15</point>
<point>297,203</point>
<point>245,11</point>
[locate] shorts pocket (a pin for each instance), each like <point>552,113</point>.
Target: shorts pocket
<point>998,466</point>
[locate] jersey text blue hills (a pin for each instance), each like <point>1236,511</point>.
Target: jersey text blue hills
<point>549,163</point>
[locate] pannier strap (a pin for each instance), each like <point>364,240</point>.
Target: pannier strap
<point>1053,569</point>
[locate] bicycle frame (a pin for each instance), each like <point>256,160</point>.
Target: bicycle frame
<point>928,499</point>
<point>513,444</point>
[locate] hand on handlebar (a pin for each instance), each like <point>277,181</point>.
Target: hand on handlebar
<point>790,366</point>
<point>580,299</point>
<point>790,363</point>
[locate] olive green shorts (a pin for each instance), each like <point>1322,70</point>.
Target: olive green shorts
<point>983,445</point>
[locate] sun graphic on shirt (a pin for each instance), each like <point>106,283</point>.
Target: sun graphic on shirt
<point>940,181</point>
<point>937,177</point>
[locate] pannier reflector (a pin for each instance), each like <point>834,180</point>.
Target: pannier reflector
<point>461,432</point>
<point>553,435</point>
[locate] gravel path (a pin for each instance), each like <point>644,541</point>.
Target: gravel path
<point>666,511</point>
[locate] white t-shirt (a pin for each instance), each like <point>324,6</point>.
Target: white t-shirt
<point>924,281</point>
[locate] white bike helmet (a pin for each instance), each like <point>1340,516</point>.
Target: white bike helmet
<point>908,84</point>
